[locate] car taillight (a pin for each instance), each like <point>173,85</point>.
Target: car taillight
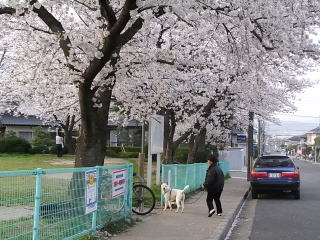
<point>294,174</point>
<point>255,174</point>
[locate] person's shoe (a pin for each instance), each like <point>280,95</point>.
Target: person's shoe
<point>211,212</point>
<point>219,214</point>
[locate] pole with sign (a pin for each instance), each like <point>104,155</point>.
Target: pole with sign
<point>118,183</point>
<point>155,145</point>
<point>91,190</point>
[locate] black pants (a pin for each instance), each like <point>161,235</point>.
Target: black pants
<point>214,195</point>
<point>59,150</point>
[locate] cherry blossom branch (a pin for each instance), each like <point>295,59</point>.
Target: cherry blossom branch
<point>107,12</point>
<point>2,57</point>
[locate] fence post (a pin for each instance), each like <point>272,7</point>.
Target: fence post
<point>162,178</point>
<point>187,175</point>
<point>175,176</point>
<point>95,213</point>
<point>195,176</point>
<point>158,169</point>
<point>37,203</point>
<point>130,186</point>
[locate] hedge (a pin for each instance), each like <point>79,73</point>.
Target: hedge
<point>42,142</point>
<point>14,144</point>
<point>181,155</point>
<point>111,153</point>
<point>126,149</point>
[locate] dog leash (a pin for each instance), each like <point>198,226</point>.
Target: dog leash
<point>196,199</point>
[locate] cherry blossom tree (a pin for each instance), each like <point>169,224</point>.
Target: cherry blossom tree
<point>259,72</point>
<point>88,35</point>
<point>220,45</point>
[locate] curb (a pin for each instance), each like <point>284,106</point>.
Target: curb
<point>308,161</point>
<point>226,229</point>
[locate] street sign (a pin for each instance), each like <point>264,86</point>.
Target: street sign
<point>90,191</point>
<point>118,183</point>
<point>157,133</point>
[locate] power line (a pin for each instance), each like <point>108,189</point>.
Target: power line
<point>288,114</point>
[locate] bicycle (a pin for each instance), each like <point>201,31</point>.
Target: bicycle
<point>143,198</point>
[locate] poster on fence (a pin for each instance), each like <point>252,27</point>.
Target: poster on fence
<point>91,190</point>
<point>118,183</point>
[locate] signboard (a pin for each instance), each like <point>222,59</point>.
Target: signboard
<point>157,133</point>
<point>118,183</point>
<point>91,190</point>
<point>241,138</point>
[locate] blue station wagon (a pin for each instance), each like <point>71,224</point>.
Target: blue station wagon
<point>273,173</point>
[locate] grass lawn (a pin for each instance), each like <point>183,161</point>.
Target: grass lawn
<point>12,162</point>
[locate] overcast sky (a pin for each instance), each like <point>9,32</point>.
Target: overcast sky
<point>307,103</point>
<point>307,115</point>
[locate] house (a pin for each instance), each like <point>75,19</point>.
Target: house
<point>311,135</point>
<point>128,134</point>
<point>22,126</point>
<point>238,138</point>
<point>297,144</point>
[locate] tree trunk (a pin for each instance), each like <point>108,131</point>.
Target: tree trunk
<point>202,140</point>
<point>170,149</point>
<point>68,141</point>
<point>191,149</point>
<point>91,145</point>
<point>68,129</point>
<point>165,136</point>
<point>194,145</point>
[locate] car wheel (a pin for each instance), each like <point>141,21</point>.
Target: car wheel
<point>296,194</point>
<point>254,194</point>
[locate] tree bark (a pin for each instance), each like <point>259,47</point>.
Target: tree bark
<point>67,127</point>
<point>165,136</point>
<point>91,145</point>
<point>170,147</point>
<point>194,145</point>
<point>191,149</point>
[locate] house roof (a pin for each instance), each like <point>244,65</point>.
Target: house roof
<point>237,132</point>
<point>296,138</point>
<point>131,123</point>
<point>315,130</point>
<point>8,119</point>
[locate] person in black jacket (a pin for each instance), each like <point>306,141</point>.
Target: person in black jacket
<point>214,183</point>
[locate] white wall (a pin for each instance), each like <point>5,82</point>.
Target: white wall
<point>25,132</point>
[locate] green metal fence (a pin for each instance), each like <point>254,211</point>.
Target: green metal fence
<point>180,175</point>
<point>55,204</point>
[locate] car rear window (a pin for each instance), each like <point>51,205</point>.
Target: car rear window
<point>274,161</point>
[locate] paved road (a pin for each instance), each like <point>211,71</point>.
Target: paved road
<point>280,217</point>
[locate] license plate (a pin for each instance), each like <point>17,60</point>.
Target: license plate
<point>274,175</point>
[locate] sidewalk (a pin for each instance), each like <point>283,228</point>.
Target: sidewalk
<point>194,223</point>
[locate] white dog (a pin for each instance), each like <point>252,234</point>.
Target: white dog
<point>173,194</point>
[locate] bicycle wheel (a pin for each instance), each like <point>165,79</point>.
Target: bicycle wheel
<point>143,199</point>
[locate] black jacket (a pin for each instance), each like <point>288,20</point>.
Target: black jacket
<point>214,178</point>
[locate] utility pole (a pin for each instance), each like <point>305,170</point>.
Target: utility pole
<point>250,144</point>
<point>141,154</point>
<point>263,138</point>
<point>259,138</point>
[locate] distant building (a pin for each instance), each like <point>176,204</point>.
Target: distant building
<point>239,138</point>
<point>311,135</point>
<point>300,143</point>
<point>128,134</point>
<point>22,126</point>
